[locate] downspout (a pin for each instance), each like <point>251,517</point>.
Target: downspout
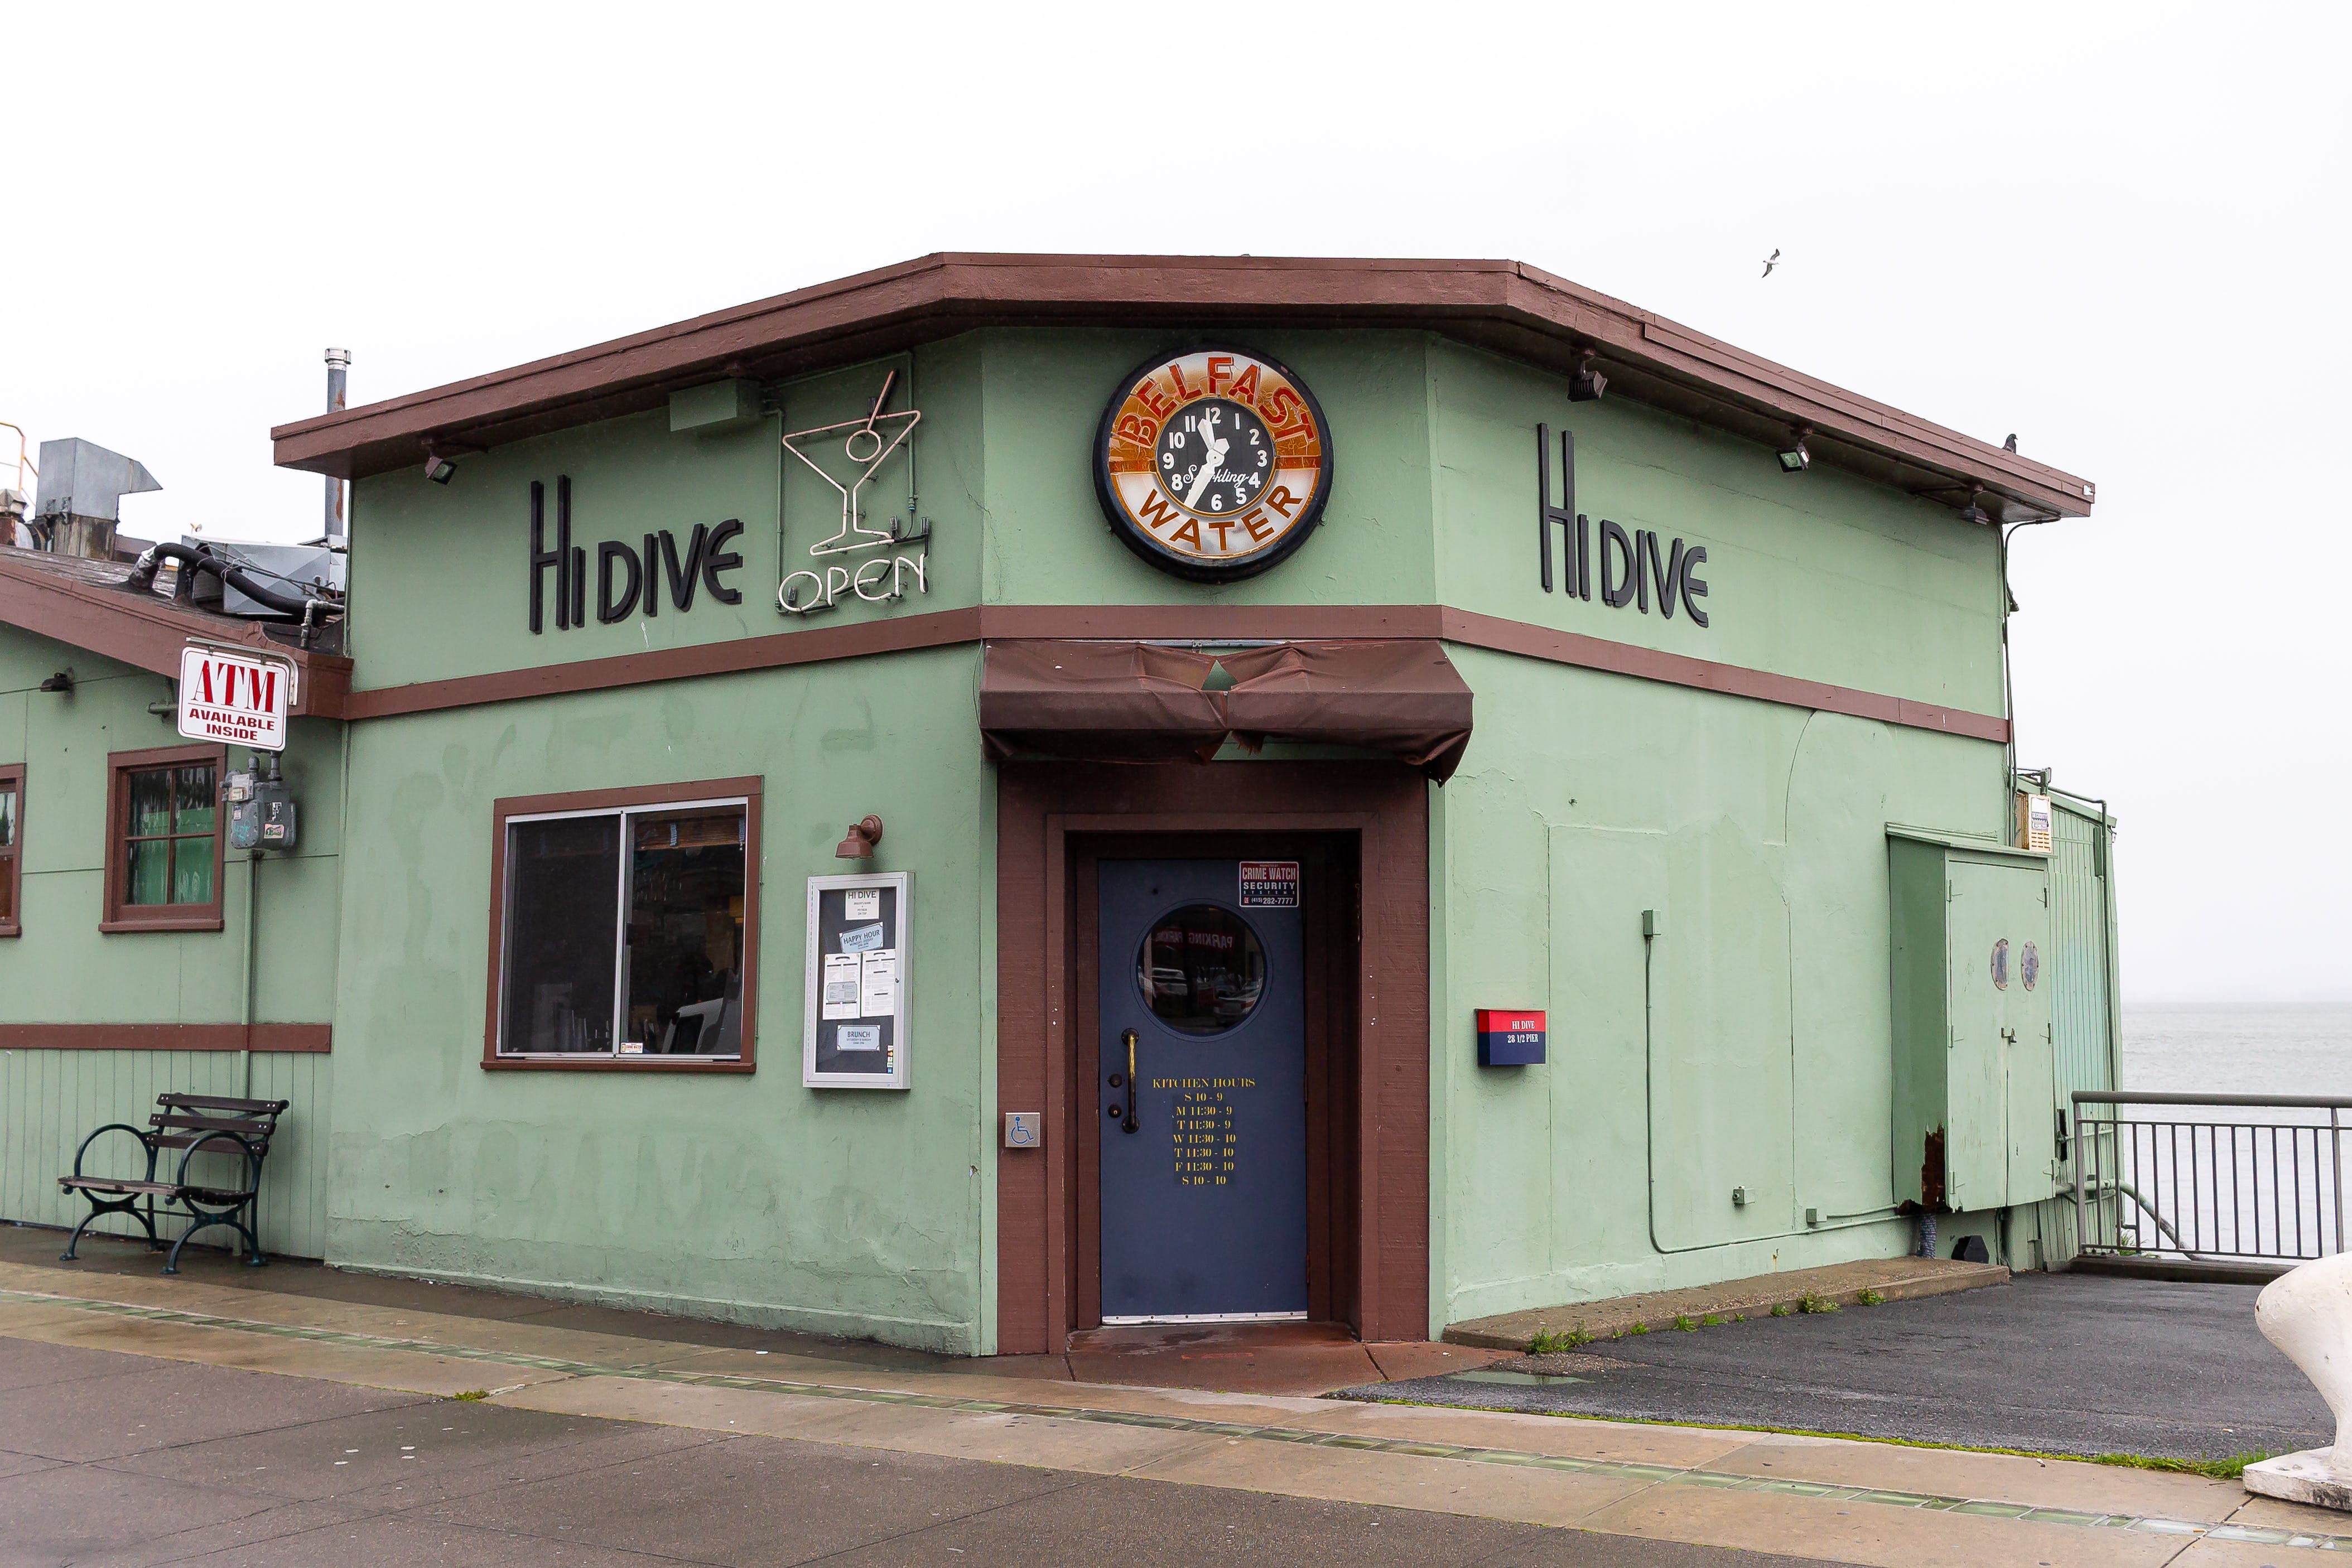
<point>2008,686</point>
<point>252,896</point>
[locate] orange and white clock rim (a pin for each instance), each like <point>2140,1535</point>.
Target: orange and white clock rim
<point>1156,521</point>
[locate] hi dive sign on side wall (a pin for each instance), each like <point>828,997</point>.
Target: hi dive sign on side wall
<point>1631,567</point>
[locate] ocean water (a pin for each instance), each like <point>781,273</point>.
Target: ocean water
<point>2231,1181</point>
<point>2238,1048</point>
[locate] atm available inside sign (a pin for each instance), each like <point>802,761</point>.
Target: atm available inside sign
<point>229,698</point>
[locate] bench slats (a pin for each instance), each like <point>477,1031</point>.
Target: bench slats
<point>108,1184</point>
<point>225,1103</point>
<point>244,1126</point>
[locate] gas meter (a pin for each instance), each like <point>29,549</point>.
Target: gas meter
<point>260,807</point>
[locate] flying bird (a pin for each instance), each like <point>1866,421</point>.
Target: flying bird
<point>2011,445</point>
<point>1772,261</point>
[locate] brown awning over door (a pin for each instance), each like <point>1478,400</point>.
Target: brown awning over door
<point>1135,702</point>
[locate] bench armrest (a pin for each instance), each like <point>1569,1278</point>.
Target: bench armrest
<point>146,1140</point>
<point>252,1158</point>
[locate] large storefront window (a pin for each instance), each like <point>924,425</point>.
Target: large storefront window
<point>625,932</point>
<point>163,850</point>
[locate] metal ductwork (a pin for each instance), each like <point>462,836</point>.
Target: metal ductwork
<point>80,496</point>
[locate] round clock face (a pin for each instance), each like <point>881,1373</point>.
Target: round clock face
<point>1212,465</point>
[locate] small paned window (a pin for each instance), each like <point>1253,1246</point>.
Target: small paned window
<point>12,832</point>
<point>164,859</point>
<point>168,851</point>
<point>624,934</point>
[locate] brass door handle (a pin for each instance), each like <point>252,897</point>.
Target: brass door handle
<point>1127,1038</point>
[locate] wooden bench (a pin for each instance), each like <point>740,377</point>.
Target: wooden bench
<point>192,1124</point>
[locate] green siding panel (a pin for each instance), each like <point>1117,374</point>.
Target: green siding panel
<point>51,1100</point>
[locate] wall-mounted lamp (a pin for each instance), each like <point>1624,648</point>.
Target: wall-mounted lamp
<point>440,459</point>
<point>1973,513</point>
<point>864,834</point>
<point>62,681</point>
<point>1586,384</point>
<point>1794,458</point>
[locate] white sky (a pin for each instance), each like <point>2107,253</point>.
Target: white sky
<point>2119,231</point>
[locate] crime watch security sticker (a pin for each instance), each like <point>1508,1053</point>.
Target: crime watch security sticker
<point>1269,884</point>
<point>1212,465</point>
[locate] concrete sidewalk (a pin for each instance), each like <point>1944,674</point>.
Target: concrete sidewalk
<point>1827,1499</point>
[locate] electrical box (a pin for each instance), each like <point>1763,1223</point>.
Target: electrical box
<point>2034,822</point>
<point>1511,1037</point>
<point>261,813</point>
<point>1975,1069</point>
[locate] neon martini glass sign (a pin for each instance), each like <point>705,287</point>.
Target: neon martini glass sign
<point>864,446</point>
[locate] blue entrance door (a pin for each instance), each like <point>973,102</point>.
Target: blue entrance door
<point>1202,1092</point>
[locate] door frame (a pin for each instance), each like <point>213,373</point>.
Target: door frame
<point>1376,1251</point>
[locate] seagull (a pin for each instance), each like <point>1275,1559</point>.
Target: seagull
<point>2011,445</point>
<point>1772,261</point>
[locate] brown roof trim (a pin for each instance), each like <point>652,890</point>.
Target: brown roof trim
<point>1204,623</point>
<point>148,630</point>
<point>304,1039</point>
<point>1505,305</point>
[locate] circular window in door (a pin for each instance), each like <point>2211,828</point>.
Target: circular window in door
<point>1200,969</point>
<point>2028,965</point>
<point>2000,965</point>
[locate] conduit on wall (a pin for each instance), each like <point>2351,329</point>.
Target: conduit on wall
<point>1144,702</point>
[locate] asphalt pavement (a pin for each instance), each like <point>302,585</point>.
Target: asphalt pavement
<point>120,1459</point>
<point>2060,1364</point>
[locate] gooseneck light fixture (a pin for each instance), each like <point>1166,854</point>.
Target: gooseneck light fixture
<point>864,834</point>
<point>1794,458</point>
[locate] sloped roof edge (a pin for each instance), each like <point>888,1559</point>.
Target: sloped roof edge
<point>146,629</point>
<point>1504,306</point>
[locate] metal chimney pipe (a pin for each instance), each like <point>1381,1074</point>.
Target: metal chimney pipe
<point>338,362</point>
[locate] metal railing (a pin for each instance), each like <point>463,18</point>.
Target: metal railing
<point>2208,1178</point>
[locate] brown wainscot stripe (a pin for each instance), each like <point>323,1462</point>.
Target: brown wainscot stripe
<point>1206,623</point>
<point>308,1039</point>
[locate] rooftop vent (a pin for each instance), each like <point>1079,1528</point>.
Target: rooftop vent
<point>80,496</point>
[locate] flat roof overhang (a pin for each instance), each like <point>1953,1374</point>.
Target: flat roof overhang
<point>1506,306</point>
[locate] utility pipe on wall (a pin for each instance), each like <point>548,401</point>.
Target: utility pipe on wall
<point>338,362</point>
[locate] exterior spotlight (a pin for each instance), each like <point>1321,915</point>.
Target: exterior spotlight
<point>1794,458</point>
<point>437,468</point>
<point>1586,384</point>
<point>63,681</point>
<point>864,834</point>
<point>1973,513</point>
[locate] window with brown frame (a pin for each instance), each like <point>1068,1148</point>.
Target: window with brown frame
<point>12,834</point>
<point>623,928</point>
<point>165,838</point>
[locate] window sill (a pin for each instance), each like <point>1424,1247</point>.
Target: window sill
<point>205,920</point>
<point>616,1064</point>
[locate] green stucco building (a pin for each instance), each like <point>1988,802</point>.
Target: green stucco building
<point>1258,669</point>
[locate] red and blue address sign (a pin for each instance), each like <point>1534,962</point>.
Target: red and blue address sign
<point>1510,1038</point>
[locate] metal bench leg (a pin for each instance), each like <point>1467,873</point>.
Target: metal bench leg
<point>172,1264</point>
<point>98,1211</point>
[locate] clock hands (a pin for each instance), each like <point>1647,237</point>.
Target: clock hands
<point>1214,453</point>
